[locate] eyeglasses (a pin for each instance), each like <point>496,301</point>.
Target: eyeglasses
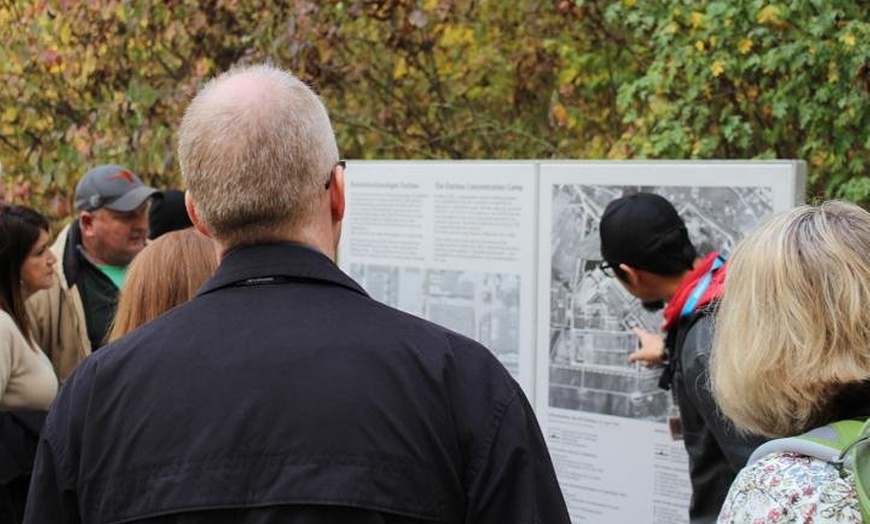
<point>340,163</point>
<point>607,268</point>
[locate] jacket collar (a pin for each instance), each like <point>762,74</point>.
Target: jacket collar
<point>67,250</point>
<point>284,260</point>
<point>849,402</point>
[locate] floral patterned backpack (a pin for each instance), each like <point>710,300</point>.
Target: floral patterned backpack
<point>845,444</point>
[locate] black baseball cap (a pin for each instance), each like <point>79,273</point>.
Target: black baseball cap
<point>167,213</point>
<point>112,187</point>
<point>644,230</point>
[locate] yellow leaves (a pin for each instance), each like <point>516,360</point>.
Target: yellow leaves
<point>833,74</point>
<point>42,124</point>
<point>752,94</point>
<point>567,76</point>
<point>849,40</point>
<point>400,70</point>
<point>65,34</point>
<point>717,68</point>
<point>696,19</point>
<point>629,3</point>
<point>767,14</point>
<point>672,28</point>
<point>121,11</point>
<point>559,115</point>
<point>15,67</point>
<point>770,15</point>
<point>700,46</point>
<point>88,64</point>
<point>456,46</point>
<point>457,35</point>
<point>10,114</point>
<point>819,158</point>
<point>744,45</point>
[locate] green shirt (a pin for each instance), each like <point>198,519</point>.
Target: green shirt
<point>98,287</point>
<point>116,274</point>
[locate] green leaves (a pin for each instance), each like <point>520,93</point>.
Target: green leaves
<point>89,82</point>
<point>779,78</point>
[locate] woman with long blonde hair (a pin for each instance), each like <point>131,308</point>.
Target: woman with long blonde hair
<point>168,272</point>
<point>792,353</point>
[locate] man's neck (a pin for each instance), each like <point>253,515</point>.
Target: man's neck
<point>670,285</point>
<point>95,260</point>
<point>312,242</point>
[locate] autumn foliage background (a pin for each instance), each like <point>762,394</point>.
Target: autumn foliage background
<point>87,82</point>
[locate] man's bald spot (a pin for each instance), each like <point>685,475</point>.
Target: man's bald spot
<point>247,88</point>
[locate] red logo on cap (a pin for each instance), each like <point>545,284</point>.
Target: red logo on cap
<point>126,175</point>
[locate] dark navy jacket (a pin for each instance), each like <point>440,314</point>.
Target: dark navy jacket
<point>283,393</point>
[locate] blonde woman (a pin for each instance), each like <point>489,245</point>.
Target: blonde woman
<point>792,353</point>
<point>168,272</point>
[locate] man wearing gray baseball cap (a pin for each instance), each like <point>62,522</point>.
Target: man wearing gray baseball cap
<point>72,317</point>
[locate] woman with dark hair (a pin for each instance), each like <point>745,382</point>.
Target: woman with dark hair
<point>27,379</point>
<point>28,384</point>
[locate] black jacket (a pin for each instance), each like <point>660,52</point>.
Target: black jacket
<point>19,435</point>
<point>717,452</point>
<point>283,393</point>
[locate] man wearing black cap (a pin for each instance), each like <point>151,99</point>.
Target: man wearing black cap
<point>72,317</point>
<point>167,213</point>
<point>646,245</point>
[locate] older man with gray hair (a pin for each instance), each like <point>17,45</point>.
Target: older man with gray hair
<point>282,392</point>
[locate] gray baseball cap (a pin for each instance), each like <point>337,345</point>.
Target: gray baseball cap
<point>112,187</point>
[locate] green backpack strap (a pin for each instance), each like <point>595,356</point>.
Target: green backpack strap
<point>824,443</point>
<point>838,435</point>
<point>856,457</point>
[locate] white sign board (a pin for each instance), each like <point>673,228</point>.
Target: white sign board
<point>451,242</point>
<point>605,419</point>
<point>507,252</point>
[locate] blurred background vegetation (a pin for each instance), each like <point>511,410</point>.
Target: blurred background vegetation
<point>95,81</point>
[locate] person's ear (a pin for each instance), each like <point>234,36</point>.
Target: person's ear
<point>194,217</point>
<point>632,276</point>
<point>336,194</point>
<point>86,222</point>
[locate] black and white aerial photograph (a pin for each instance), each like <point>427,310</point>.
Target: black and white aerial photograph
<point>591,314</point>
<point>482,306</point>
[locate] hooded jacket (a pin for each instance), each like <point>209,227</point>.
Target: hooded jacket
<point>57,313</point>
